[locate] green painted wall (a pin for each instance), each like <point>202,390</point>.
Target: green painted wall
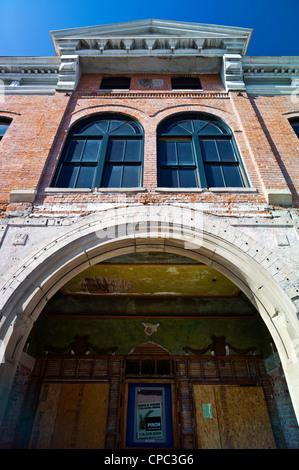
<point>126,333</point>
<point>173,334</point>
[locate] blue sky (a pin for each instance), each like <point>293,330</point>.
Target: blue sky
<point>25,24</point>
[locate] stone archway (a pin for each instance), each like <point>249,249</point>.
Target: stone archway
<point>205,238</point>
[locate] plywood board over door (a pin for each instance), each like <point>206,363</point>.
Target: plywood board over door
<point>71,416</point>
<point>232,417</point>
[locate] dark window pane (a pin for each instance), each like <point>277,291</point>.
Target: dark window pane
<point>185,83</point>
<point>68,176</point>
<point>232,176</point>
<point>123,128</point>
<point>222,128</point>
<point>209,150</point>
<point>184,152</point>
<point>115,83</point>
<point>186,125</point>
<point>115,125</point>
<point>93,128</point>
<point>91,151</point>
<point>214,176</point>
<point>112,176</point>
<point>199,125</point>
<point>168,153</point>
<point>116,149</point>
<point>131,176</point>
<point>163,367</point>
<point>175,128</point>
<point>168,178</point>
<point>187,178</point>
<point>74,151</point>
<point>85,178</point>
<point>133,151</point>
<point>147,367</point>
<point>136,128</point>
<point>3,128</point>
<point>296,128</point>
<point>211,129</point>
<point>132,367</point>
<point>226,151</point>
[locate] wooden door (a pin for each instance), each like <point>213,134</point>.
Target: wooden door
<point>71,416</point>
<point>232,417</point>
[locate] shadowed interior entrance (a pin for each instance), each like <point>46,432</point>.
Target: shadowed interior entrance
<point>151,321</point>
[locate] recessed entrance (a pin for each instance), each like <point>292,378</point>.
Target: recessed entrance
<point>222,402</point>
<point>149,350</point>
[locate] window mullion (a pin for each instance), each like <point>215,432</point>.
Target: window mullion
<point>101,161</point>
<point>199,161</point>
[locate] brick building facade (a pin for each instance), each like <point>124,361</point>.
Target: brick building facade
<point>146,157</point>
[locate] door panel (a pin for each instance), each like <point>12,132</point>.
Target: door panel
<point>237,418</point>
<point>243,418</point>
<point>45,416</point>
<point>208,435</point>
<point>71,416</point>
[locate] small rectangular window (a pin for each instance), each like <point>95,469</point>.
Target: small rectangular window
<point>185,83</point>
<point>115,83</point>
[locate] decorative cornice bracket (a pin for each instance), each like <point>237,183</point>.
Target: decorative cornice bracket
<point>232,72</point>
<point>69,73</point>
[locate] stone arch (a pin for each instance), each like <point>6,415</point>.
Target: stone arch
<point>213,111</point>
<point>94,110</point>
<point>172,229</point>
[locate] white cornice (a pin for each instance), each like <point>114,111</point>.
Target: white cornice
<point>151,46</point>
<point>154,36</point>
<point>271,75</point>
<point>29,75</point>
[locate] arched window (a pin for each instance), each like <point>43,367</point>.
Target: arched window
<point>4,123</point>
<point>295,126</point>
<point>104,151</point>
<point>197,151</point>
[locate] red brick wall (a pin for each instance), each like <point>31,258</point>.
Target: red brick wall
<point>26,144</point>
<point>267,143</point>
<point>274,114</point>
<point>150,109</point>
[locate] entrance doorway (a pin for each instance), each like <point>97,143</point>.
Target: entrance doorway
<point>209,332</point>
<point>179,402</point>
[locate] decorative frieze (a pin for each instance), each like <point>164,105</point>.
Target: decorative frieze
<point>150,44</point>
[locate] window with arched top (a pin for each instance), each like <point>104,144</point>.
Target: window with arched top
<point>195,150</point>
<point>295,125</point>
<point>4,124</point>
<point>103,151</point>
